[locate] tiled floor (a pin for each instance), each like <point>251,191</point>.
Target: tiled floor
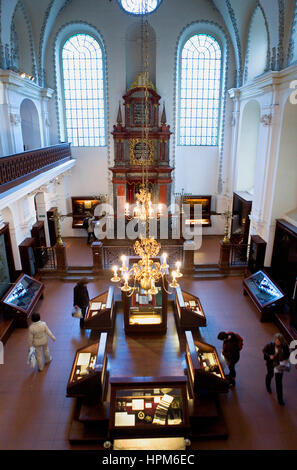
<point>35,414</point>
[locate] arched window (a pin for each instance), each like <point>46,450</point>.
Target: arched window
<point>199,91</point>
<point>140,7</point>
<point>83,86</point>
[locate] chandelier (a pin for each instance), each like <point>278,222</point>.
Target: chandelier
<point>148,270</point>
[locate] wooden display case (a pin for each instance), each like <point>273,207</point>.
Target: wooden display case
<point>52,225</point>
<point>21,299</point>
<point>81,207</point>
<point>256,253</point>
<point>148,407</point>
<point>145,313</point>
<point>205,202</point>
<point>264,293</point>
<point>204,368</point>
<point>38,234</point>
<point>100,314</point>
<point>242,206</point>
<point>28,256</point>
<point>89,375</point>
<point>188,312</point>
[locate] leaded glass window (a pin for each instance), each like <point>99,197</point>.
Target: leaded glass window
<point>140,7</point>
<point>200,89</point>
<point>83,80</point>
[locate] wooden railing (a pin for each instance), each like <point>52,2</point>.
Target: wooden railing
<point>15,169</point>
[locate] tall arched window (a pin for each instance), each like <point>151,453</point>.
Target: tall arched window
<point>199,91</point>
<point>83,83</point>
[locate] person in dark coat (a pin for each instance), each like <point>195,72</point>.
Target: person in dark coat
<point>81,298</point>
<point>231,353</point>
<point>274,353</point>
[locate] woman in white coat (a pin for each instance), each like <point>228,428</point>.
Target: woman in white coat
<point>38,338</point>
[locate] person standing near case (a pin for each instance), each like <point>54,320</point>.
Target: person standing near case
<point>232,344</point>
<point>38,338</point>
<point>274,353</point>
<point>81,297</point>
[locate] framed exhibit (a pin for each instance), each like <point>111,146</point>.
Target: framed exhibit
<point>205,202</point>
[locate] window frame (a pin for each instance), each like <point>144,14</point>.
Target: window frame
<point>221,88</point>
<point>63,130</point>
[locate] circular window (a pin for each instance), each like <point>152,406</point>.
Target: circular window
<point>140,7</point>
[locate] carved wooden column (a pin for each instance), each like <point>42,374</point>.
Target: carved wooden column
<point>224,262</point>
<point>97,250</point>
<point>61,257</point>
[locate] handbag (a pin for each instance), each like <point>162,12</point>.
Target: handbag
<point>32,357</point>
<point>76,312</point>
<point>283,366</point>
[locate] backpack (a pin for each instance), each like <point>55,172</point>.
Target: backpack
<point>86,223</point>
<point>239,339</point>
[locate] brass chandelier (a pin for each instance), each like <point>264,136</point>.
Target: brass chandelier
<point>147,271</point>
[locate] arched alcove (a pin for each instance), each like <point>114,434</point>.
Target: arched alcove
<point>285,194</point>
<point>134,52</point>
<point>247,147</point>
<point>21,36</point>
<point>257,56</point>
<point>30,125</point>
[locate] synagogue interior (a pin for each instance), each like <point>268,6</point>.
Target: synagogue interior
<point>148,225</point>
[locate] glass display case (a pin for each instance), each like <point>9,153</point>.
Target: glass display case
<point>264,293</point>
<point>188,312</point>
<point>144,312</point>
<point>100,314</point>
<point>81,207</point>
<point>204,369</point>
<point>148,406</point>
<point>89,375</point>
<point>205,202</point>
<point>22,297</point>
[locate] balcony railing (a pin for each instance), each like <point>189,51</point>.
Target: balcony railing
<point>15,169</point>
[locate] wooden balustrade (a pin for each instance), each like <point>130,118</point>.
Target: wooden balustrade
<point>15,169</point>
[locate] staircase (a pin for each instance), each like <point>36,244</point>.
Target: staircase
<point>212,271</point>
<point>74,273</point>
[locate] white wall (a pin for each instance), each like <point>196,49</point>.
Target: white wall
<point>257,47</point>
<point>248,145</point>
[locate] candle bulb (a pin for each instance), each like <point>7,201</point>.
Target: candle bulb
<point>173,283</point>
<point>115,277</point>
<point>123,268</point>
<point>178,265</point>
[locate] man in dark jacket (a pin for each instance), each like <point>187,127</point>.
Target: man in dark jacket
<point>81,297</point>
<point>274,353</point>
<point>231,353</point>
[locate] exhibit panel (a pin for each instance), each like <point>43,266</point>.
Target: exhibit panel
<point>89,375</point>
<point>100,314</point>
<point>148,407</point>
<point>188,312</point>
<point>21,299</point>
<point>205,372</point>
<point>205,203</point>
<point>264,293</point>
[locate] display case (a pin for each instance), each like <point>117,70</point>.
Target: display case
<point>21,299</point>
<point>51,223</point>
<point>144,312</point>
<point>256,254</point>
<point>242,206</point>
<point>188,312</point>
<point>100,313</point>
<point>28,256</point>
<point>204,369</point>
<point>40,250</point>
<point>148,406</point>
<point>89,374</point>
<point>81,207</point>
<point>264,293</point>
<point>205,202</point>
